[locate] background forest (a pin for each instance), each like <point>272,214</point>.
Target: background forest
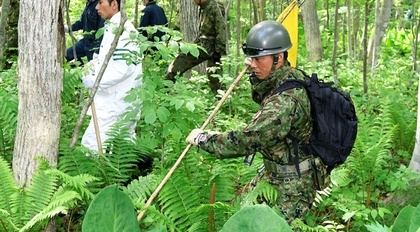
<point>368,48</point>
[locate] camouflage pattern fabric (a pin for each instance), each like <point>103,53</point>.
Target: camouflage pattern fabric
<point>212,37</point>
<point>295,195</point>
<point>212,34</point>
<point>280,115</point>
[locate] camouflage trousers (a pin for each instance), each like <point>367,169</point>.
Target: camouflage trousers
<point>295,195</point>
<point>184,62</point>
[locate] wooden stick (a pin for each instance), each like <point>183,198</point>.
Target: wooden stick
<point>172,170</point>
<point>95,124</point>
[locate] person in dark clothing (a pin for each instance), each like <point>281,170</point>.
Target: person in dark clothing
<point>153,15</point>
<point>89,22</point>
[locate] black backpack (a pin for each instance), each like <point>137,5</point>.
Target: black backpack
<point>334,121</point>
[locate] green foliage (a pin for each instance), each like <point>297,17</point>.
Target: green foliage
<point>110,210</point>
<point>8,112</point>
<point>408,219</point>
<point>245,220</point>
<point>50,193</point>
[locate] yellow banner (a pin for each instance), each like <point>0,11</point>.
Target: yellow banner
<point>289,19</point>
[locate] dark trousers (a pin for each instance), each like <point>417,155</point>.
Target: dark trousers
<point>81,51</point>
<point>184,62</point>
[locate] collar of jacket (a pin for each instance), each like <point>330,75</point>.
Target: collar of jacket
<point>264,87</point>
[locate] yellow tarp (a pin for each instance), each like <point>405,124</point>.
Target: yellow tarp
<point>289,19</point>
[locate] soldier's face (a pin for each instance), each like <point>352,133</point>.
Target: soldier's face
<point>261,66</point>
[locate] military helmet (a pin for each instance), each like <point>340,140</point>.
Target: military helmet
<point>266,38</point>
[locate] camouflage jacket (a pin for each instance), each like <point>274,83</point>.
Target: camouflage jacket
<point>212,35</point>
<point>281,114</point>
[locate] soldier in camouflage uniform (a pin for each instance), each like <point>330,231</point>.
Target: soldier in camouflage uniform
<point>287,113</point>
<point>212,36</point>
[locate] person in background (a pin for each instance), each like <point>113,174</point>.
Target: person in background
<point>89,23</point>
<point>212,36</point>
<point>153,15</point>
<point>119,76</point>
<point>280,115</point>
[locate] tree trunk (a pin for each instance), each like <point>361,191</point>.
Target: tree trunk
<point>10,39</point>
<point>382,18</point>
<point>239,40</point>
<point>415,159</point>
<point>3,22</point>
<point>189,21</point>
<point>312,34</point>
<point>365,42</point>
<point>40,73</point>
<point>335,46</point>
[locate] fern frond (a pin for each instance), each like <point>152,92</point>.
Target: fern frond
<point>121,156</point>
<point>8,187</point>
<point>39,193</point>
<point>77,183</point>
<point>6,223</point>
<point>155,217</point>
<point>263,190</point>
<point>176,200</point>
<point>222,212</point>
<point>40,219</point>
<point>139,190</point>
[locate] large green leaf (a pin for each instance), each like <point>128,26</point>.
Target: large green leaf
<point>408,220</point>
<point>258,218</point>
<point>111,210</point>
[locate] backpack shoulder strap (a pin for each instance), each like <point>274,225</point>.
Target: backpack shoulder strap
<point>289,84</point>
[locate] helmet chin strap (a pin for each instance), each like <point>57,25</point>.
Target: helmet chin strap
<point>275,62</point>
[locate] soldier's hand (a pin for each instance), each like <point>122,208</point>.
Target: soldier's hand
<point>248,61</point>
<point>196,137</point>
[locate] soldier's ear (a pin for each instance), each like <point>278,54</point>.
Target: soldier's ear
<point>281,56</point>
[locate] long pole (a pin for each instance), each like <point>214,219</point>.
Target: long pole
<point>172,170</point>
<point>95,124</point>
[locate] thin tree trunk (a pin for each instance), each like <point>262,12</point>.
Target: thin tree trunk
<point>3,23</point>
<point>312,33</point>
<point>365,31</point>
<point>382,18</point>
<point>415,159</point>
<point>349,28</point>
<point>335,47</point>
<point>238,33</point>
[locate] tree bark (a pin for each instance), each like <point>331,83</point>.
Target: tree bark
<point>3,22</point>
<point>40,74</point>
<point>382,18</point>
<point>311,27</point>
<point>415,159</point>
<point>189,21</point>
<point>9,41</point>
<point>335,47</point>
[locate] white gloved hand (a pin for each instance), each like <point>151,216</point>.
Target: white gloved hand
<point>88,68</point>
<point>248,61</point>
<point>196,136</point>
<point>88,81</point>
<point>66,29</point>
